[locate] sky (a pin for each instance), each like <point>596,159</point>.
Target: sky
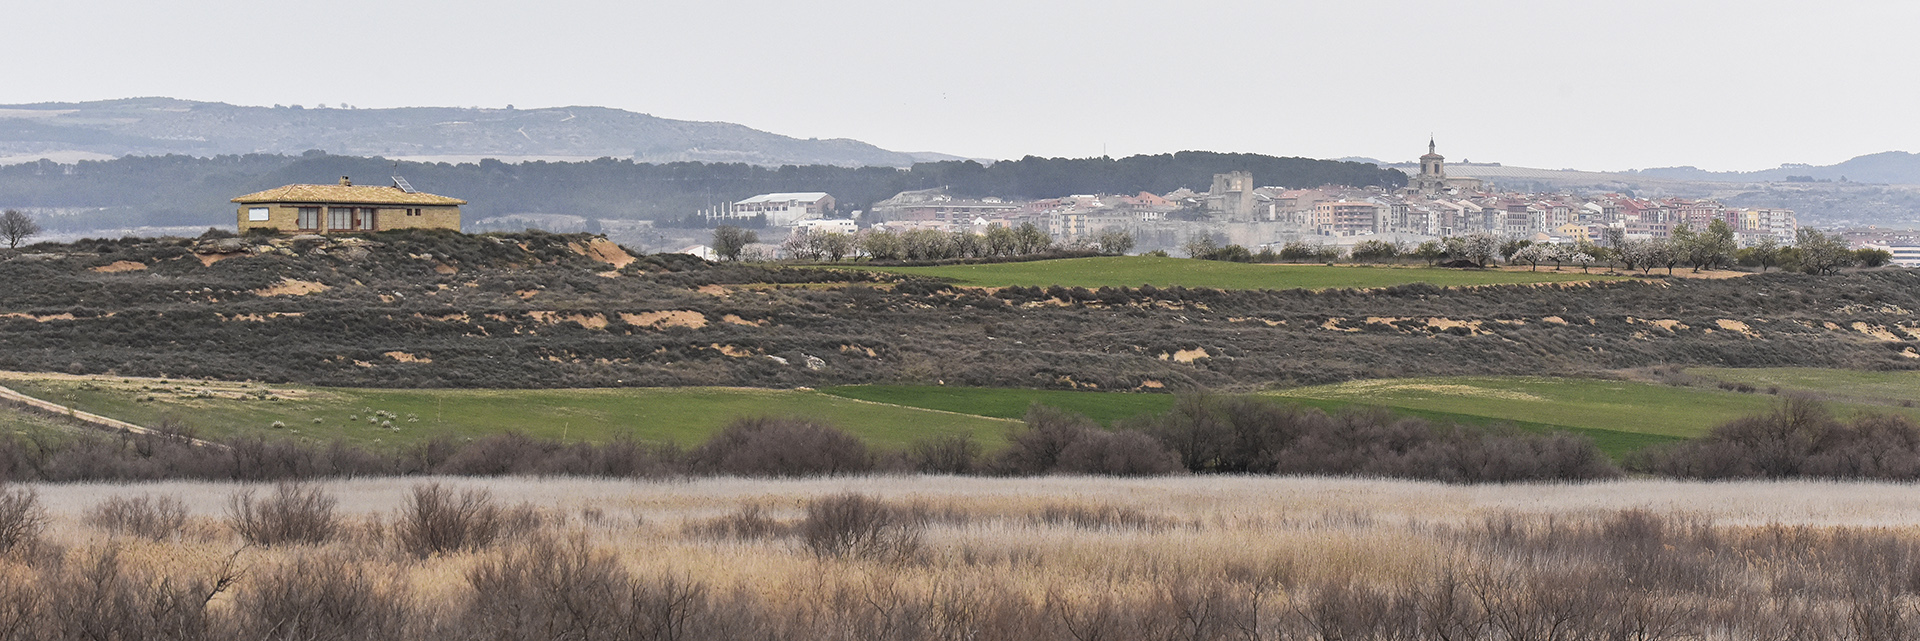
<point>1722,85</point>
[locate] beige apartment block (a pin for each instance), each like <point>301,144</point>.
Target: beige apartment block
<point>346,208</point>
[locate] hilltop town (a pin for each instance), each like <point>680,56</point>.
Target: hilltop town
<point>1235,209</point>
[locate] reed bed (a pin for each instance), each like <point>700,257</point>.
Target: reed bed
<point>953,557</point>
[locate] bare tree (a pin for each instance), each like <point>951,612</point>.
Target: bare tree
<point>16,226</point>
<point>729,241</point>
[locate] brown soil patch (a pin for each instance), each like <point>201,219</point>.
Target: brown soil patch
<point>1875,331</point>
<point>1556,320</point>
<point>120,266</point>
<point>1334,325</point>
<point>589,321</point>
<point>714,290</point>
<point>1151,384</point>
<point>1666,324</point>
<point>612,274</point>
<point>1249,319</point>
<point>527,294</point>
<point>261,318</point>
<point>663,320</point>
<point>1736,326</point>
<point>605,251</point>
<point>732,350</point>
<point>291,287</point>
<point>1443,324</point>
<point>407,358</point>
<point>856,349</point>
<point>731,319</point>
<point>444,269</point>
<point>1186,355</point>
<point>41,319</point>
<point>207,260</point>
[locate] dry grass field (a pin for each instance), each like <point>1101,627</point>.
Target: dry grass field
<point>934,557</point>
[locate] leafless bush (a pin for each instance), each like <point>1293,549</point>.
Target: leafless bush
<point>952,454</point>
<point>295,513</point>
<point>547,589</point>
<point>749,523</point>
<point>149,517</point>
<point>781,447</point>
<point>22,518</point>
<point>107,597</point>
<point>858,526</point>
<point>1798,438</point>
<point>438,520</point>
<point>320,596</point>
<point>1098,517</point>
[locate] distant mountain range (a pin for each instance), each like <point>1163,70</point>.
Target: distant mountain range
<point>159,126</point>
<point>1891,167</point>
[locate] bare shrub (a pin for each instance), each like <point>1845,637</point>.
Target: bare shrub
<point>296,513</point>
<point>320,596</point>
<point>854,525</point>
<point>1123,453</point>
<point>1037,448</point>
<point>106,597</point>
<point>1798,438</point>
<point>22,518</point>
<point>547,589</point>
<point>951,454</point>
<point>749,523</point>
<point>1098,517</point>
<point>437,520</point>
<point>781,447</point>
<point>1249,435</point>
<point>155,518</point>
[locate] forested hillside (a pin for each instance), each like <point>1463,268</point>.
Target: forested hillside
<point>184,190</point>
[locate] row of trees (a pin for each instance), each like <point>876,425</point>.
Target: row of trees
<point>1713,248</point>
<point>917,244</point>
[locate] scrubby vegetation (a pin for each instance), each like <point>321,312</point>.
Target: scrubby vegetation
<point>1247,560</point>
<point>1200,435</point>
<point>1800,438</point>
<point>420,309</point>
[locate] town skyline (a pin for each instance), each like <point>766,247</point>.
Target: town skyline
<point>1640,85</point>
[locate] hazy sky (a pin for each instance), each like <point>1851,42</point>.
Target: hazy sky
<point>1621,84</point>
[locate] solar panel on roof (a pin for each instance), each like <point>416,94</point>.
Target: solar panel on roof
<point>402,184</point>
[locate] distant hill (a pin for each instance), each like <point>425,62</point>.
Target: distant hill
<point>1891,167</point>
<point>159,126</point>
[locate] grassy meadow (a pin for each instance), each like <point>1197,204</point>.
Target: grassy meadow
<point>1134,271</point>
<point>1620,416</point>
<point>1899,388</point>
<point>679,415</point>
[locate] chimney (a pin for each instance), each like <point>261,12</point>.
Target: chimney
<point>346,182</point>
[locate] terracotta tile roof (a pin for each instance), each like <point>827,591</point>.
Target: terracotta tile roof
<point>344,194</point>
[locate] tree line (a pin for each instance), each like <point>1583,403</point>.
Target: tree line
<point>184,190</point>
<point>1812,251</point>
<point>731,243</point>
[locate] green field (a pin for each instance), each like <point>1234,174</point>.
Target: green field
<point>683,415</point>
<point>1880,388</point>
<point>1134,271</point>
<point>1620,416</point>
<point>1105,407</point>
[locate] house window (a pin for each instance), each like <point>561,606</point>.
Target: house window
<point>256,214</point>
<point>340,218</point>
<point>370,219</point>
<point>309,218</point>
